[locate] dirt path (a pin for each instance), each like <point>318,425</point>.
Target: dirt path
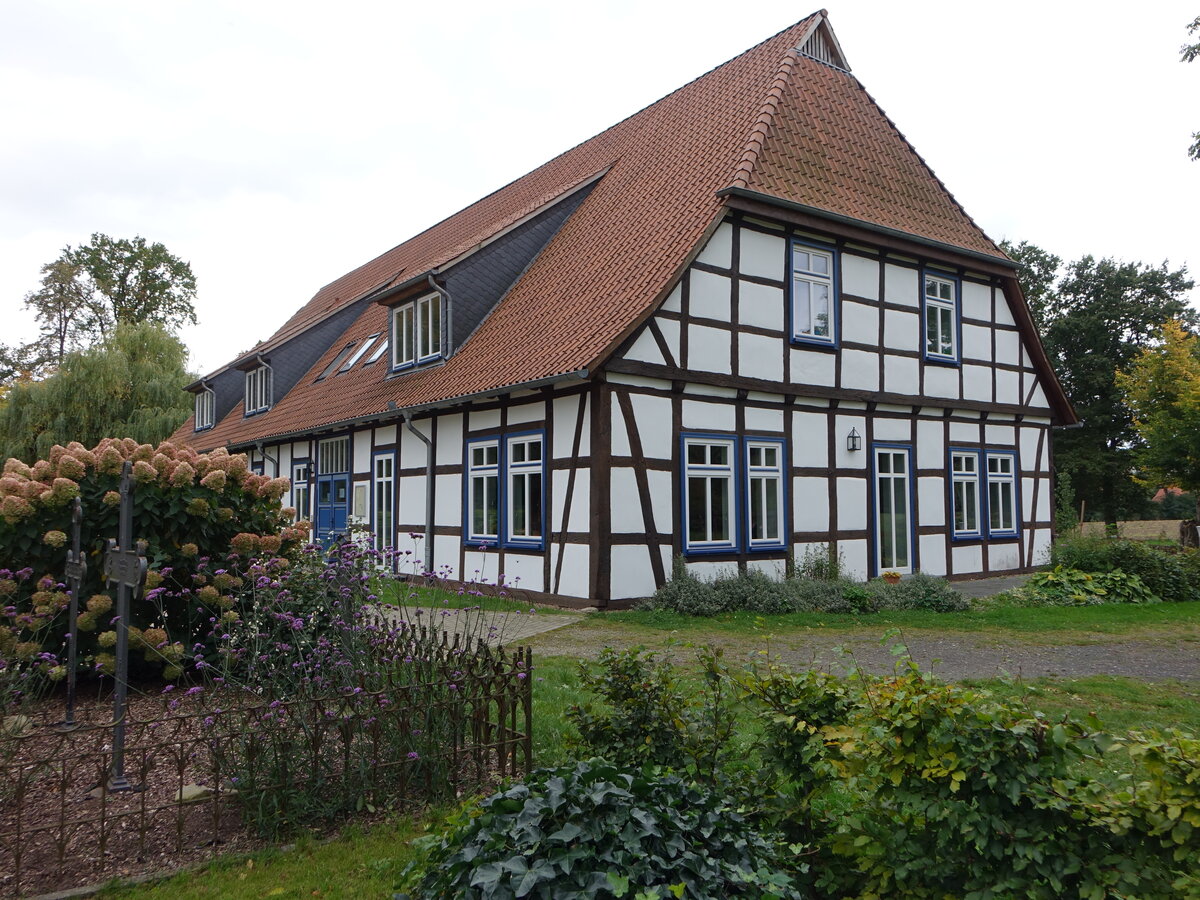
<point>1150,654</point>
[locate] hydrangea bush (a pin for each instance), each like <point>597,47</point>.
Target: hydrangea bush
<point>200,516</point>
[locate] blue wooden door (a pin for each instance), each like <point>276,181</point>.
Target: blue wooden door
<point>333,506</point>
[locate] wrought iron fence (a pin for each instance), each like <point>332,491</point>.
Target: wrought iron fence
<point>215,768</point>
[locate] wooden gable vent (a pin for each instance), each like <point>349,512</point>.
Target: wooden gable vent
<point>822,45</point>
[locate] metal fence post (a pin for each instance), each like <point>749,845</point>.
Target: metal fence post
<point>76,571</point>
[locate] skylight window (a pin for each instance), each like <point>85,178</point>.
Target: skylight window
<point>337,361</point>
<point>358,354</point>
<point>379,351</point>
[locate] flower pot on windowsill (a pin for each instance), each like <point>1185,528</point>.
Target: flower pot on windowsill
<point>891,577</point>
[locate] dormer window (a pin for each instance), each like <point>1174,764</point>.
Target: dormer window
<point>417,331</point>
<point>205,408</point>
<point>258,390</point>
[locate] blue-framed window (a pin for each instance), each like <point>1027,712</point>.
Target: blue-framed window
<point>205,409</point>
<point>893,477</point>
<point>258,390</point>
<point>813,307</point>
<point>1002,501</point>
<point>734,493</point>
<point>940,313</point>
<point>383,491</point>
<point>417,331</point>
<point>964,493</point>
<point>301,489</point>
<point>505,490</point>
<point>258,467</point>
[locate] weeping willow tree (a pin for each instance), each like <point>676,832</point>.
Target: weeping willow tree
<point>130,385</point>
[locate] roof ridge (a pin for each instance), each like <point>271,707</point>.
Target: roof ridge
<point>766,119</point>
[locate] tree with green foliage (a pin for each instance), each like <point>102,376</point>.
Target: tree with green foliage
<point>1187,53</point>
<point>1095,317</point>
<point>130,385</point>
<point>1162,388</point>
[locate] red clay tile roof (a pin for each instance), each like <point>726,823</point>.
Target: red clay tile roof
<point>770,119</point>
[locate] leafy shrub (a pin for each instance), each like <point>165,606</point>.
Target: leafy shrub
<point>596,831</point>
<point>823,562</point>
<point>753,591</point>
<point>1071,587</point>
<point>193,510</point>
<point>1165,574</point>
<point>817,594</point>
<point>918,591</point>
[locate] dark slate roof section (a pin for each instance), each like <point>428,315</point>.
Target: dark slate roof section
<point>477,283</point>
<point>290,361</point>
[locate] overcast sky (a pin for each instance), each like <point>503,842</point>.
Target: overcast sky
<point>277,145</point>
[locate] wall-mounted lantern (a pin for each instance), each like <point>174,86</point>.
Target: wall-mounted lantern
<point>853,441</point>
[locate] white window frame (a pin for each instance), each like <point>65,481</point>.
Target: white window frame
<point>1002,482</point>
<point>206,401</point>
<point>383,506</point>
<point>714,475</point>
<point>302,489</point>
<point>519,481</point>
<point>945,312</point>
<point>884,486</point>
<point>804,328</point>
<point>964,486</point>
<point>760,474</point>
<point>258,390</point>
<point>488,472</point>
<point>333,455</point>
<point>417,331</point>
<point>358,354</point>
<point>404,336</point>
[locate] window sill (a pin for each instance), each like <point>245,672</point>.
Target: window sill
<point>814,343</point>
<point>948,361</point>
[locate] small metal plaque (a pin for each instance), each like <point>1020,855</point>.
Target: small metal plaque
<point>124,567</point>
<point>76,567</point>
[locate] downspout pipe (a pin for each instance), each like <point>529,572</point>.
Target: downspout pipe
<point>447,316</point>
<point>428,491</point>
<point>262,451</point>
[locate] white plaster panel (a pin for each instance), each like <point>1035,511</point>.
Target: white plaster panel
<point>1028,448</point>
<point>625,507</point>
<point>977,383</point>
<point>385,434</point>
<point>764,419</point>
<point>854,554</point>
<point>670,333</point>
<point>931,501</point>
<point>932,549</point>
<point>662,500</point>
<point>1001,435</point>
<point>860,370</point>
<point>447,500</point>
<point>763,255</point>
<point>977,342</point>
<point>772,568</point>
<point>645,349</point>
<point>1041,546</point>
<point>1008,348</point>
<point>701,416</point>
<point>965,433</point>
<point>901,330</point>
<point>524,571</point>
<point>674,301</point>
<point>931,444</point>
<point>1002,557</point>
<point>894,430</point>
<point>488,418</point>
<point>1042,513</point>
<point>1004,314</point>
<point>449,444</point>
<point>966,560</point>
<point>709,390</point>
<point>941,381</point>
<point>708,349</point>
<point>409,554</point>
<point>445,554</point>
<point>706,570</point>
<point>718,251</point>
<point>851,501</point>
<point>620,438</point>
<point>1038,398</point>
<point>1008,387</point>
<point>810,445</point>
<point>566,412</point>
<point>283,460</point>
<point>574,577</point>
<point>843,458</point>
<point>901,375</point>
<point>860,323</point>
<point>412,500</point>
<point>813,367</point>
<point>900,285</point>
<point>810,504</point>
<point>976,301</point>
<point>761,305</point>
<point>860,276</point>
<point>653,417</point>
<point>578,520</point>
<point>760,357</point>
<point>709,297</point>
<point>361,443</point>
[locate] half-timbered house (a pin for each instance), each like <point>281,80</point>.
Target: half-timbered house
<point>743,322</point>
